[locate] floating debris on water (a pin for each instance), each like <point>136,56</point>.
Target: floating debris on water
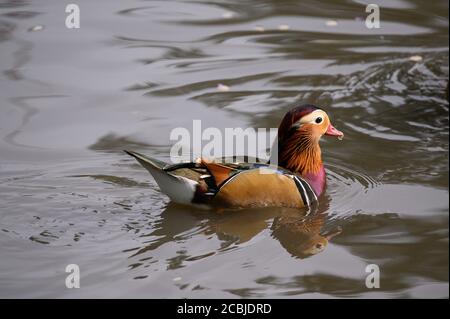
<point>416,58</point>
<point>331,23</point>
<point>283,27</point>
<point>176,279</point>
<point>222,87</point>
<point>259,28</point>
<point>36,28</point>
<point>228,15</point>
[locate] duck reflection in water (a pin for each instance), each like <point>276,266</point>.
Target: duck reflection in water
<point>303,237</point>
<point>302,232</point>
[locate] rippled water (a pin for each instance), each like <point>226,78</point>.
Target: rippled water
<point>71,100</point>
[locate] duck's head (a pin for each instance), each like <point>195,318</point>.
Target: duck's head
<point>308,120</point>
<point>298,138</point>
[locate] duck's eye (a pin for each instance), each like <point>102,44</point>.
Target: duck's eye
<point>319,120</point>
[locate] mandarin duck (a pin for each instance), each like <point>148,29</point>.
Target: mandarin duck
<point>297,181</point>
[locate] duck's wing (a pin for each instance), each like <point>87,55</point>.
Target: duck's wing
<point>259,185</point>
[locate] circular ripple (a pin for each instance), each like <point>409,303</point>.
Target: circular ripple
<point>344,185</point>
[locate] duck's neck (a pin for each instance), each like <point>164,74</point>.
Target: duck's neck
<point>302,155</point>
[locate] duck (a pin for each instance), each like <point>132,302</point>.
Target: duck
<point>297,181</point>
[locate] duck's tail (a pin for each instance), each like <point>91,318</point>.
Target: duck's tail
<point>178,188</point>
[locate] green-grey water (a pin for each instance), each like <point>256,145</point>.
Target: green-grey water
<point>72,99</point>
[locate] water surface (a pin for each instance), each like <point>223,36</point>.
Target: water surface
<point>71,100</point>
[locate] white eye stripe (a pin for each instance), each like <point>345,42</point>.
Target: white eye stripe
<point>317,120</point>
<point>313,116</point>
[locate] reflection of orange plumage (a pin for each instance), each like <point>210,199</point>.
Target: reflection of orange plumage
<point>296,182</point>
<point>302,237</point>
